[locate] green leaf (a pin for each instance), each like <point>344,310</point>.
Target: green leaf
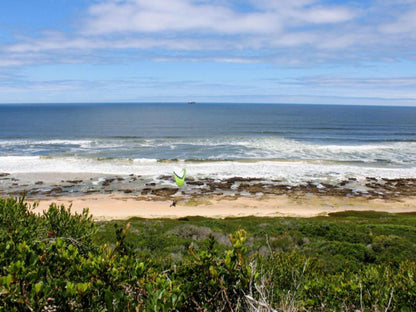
<point>108,297</point>
<point>38,287</point>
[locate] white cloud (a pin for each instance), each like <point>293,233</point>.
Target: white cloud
<point>145,16</point>
<point>405,23</point>
<point>359,82</point>
<point>62,43</point>
<point>186,25</point>
<point>8,62</point>
<point>290,32</point>
<point>268,17</point>
<point>326,15</point>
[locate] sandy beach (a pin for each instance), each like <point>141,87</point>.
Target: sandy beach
<point>112,197</point>
<point>110,207</point>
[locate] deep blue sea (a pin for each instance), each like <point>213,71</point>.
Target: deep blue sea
<point>293,143</point>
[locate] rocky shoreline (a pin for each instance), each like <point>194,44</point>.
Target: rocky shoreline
<point>164,188</point>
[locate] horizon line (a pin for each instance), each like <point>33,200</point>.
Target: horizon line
<point>200,103</point>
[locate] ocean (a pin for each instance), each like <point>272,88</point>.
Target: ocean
<point>281,142</point>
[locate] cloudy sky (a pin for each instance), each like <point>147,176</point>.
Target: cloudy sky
<point>271,51</point>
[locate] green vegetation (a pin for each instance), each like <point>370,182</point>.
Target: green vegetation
<point>348,261</point>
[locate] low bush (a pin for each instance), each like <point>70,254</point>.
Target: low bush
<point>60,261</point>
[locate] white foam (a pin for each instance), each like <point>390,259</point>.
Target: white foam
<point>24,142</point>
<point>298,161</point>
<point>396,152</point>
<point>217,148</point>
<point>293,172</point>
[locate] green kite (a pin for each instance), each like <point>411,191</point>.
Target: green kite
<point>180,180</point>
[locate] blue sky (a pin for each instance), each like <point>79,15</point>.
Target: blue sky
<point>271,51</point>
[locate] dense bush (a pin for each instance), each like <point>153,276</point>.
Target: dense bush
<point>61,261</point>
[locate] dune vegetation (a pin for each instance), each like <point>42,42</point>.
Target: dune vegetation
<point>347,261</point>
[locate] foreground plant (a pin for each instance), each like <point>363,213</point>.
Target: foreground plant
<point>50,262</point>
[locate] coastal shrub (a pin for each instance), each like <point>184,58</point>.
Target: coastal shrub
<point>54,275</point>
<point>17,222</point>
<point>78,228</point>
<point>393,249</point>
<point>46,265</point>
<point>341,254</point>
<point>213,282</point>
<point>354,214</point>
<point>284,242</point>
<point>338,231</point>
<point>60,221</point>
<point>59,261</point>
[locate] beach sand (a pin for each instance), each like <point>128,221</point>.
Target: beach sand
<point>112,197</point>
<point>116,206</point>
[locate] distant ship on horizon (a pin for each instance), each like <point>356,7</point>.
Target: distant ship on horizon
<point>191,102</point>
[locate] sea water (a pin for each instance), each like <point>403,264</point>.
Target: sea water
<point>289,143</point>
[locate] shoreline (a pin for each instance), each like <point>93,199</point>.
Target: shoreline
<point>57,184</point>
<point>111,197</point>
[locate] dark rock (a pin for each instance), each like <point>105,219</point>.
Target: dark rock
<point>108,181</point>
<point>74,181</point>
